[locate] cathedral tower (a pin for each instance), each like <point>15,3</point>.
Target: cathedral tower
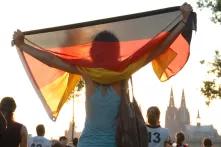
<point>183,113</point>
<point>171,116</point>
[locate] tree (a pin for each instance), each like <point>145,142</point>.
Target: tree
<point>211,89</point>
<point>215,6</point>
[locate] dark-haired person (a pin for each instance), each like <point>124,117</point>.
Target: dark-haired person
<point>158,136</point>
<point>75,142</point>
<point>64,141</point>
<point>207,142</point>
<point>39,140</point>
<point>180,138</point>
<point>102,100</point>
<point>14,134</point>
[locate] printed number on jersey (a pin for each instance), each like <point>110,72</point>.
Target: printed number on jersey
<point>154,137</point>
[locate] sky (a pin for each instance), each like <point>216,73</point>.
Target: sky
<point>29,15</point>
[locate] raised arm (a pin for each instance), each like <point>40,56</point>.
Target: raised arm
<point>45,57</point>
<point>186,9</point>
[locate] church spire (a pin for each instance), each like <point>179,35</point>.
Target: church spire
<point>198,114</point>
<point>171,104</point>
<point>198,119</point>
<point>183,113</point>
<point>183,100</point>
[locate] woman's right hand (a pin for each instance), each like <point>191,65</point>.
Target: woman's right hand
<point>18,38</point>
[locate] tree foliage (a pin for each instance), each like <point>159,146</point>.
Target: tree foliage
<point>211,89</point>
<point>77,89</point>
<point>80,85</point>
<point>215,6</point>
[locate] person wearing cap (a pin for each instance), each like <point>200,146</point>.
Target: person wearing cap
<point>13,134</point>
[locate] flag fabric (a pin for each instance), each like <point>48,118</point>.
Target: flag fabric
<point>106,58</point>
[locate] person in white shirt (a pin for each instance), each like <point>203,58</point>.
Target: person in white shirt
<point>157,136</point>
<point>39,140</point>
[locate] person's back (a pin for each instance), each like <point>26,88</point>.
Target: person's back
<point>15,134</point>
<point>158,136</point>
<point>11,136</point>
<point>39,140</point>
<point>102,101</point>
<point>101,113</point>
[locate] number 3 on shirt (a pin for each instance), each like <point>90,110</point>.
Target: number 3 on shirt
<point>154,137</point>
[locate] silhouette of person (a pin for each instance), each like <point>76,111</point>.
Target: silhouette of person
<point>75,142</point>
<point>102,101</point>
<point>14,134</point>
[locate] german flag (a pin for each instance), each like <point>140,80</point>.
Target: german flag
<point>107,50</point>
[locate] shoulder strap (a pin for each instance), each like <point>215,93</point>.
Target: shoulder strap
<point>3,125</point>
<point>4,119</point>
<point>125,93</point>
<point>132,89</point>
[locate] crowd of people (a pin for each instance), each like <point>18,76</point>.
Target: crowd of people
<point>14,134</point>
<point>159,137</point>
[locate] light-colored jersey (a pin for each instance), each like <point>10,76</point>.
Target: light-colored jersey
<point>157,136</point>
<point>39,141</point>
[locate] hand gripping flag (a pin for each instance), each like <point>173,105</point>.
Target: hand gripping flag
<point>106,58</point>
